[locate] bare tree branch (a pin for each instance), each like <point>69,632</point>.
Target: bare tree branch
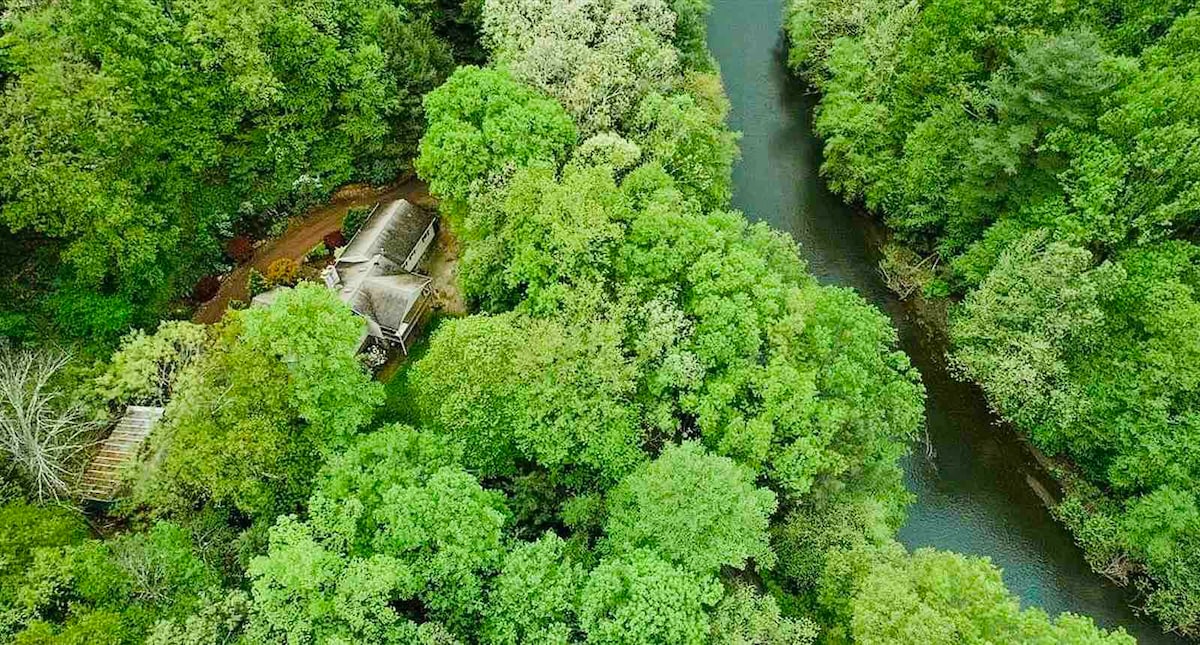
<point>45,436</point>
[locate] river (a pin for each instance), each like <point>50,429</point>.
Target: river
<point>974,494</point>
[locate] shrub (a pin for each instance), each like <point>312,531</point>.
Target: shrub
<point>257,283</point>
<point>354,220</point>
<point>334,240</point>
<point>239,249</point>
<point>318,252</point>
<point>283,272</point>
<point>206,288</point>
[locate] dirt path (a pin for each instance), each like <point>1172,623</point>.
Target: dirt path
<point>302,236</point>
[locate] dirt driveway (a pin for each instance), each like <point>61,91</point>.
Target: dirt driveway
<point>302,236</point>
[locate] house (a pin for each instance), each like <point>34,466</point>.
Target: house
<point>375,276</point>
<point>375,272</point>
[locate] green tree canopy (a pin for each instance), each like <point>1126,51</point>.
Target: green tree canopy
<point>483,123</point>
<point>936,597</point>
<point>699,511</point>
<point>251,420</point>
<point>641,599</point>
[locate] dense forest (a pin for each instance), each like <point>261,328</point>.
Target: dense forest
<point>1039,164</point>
<point>655,427</point>
<point>135,137</point>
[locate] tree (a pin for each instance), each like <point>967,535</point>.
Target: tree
<point>598,60</point>
<point>698,511</point>
<point>541,237</point>
<point>145,368</point>
<point>375,462</point>
<point>889,596</point>
<point>136,138</point>
<point>692,144</point>
<point>481,123</point>
<point>25,530</point>
<point>251,420</point>
<point>640,599</point>
<point>534,597</point>
<point>744,617</point>
<point>554,393</point>
<point>436,540</point>
<point>111,590</point>
<point>43,433</point>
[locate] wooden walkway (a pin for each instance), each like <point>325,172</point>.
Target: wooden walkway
<point>102,479</point>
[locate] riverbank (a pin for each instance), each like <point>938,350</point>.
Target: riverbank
<point>973,489</point>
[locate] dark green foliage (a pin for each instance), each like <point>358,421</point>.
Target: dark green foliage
<point>138,134</point>
<point>354,219</point>
<point>83,591</point>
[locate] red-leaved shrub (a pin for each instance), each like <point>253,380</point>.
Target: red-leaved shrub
<point>206,288</point>
<point>334,240</point>
<point>239,249</point>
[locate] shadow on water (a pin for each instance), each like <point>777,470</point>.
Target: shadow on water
<point>975,494</point>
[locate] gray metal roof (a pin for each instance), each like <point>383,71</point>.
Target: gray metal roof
<point>388,299</point>
<point>393,230</point>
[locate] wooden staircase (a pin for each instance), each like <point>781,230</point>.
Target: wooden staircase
<point>102,479</point>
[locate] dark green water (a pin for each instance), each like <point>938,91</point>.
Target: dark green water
<point>974,495</point>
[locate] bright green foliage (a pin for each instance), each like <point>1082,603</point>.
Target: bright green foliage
<point>250,421</point>
<point>136,135</point>
<point>601,456</point>
<point>511,389</point>
<point>799,378</point>
<point>699,511</point>
<point>1099,364</point>
<point>449,532</point>
<point>641,599</point>
<point>885,596</point>
<point>144,370</point>
<point>1047,154</point>
<point>482,123</point>
<point>743,617</point>
<point>112,591</point>
<point>395,455</point>
<point>435,540</point>
<point>542,237</point>
<point>306,592</point>
<point>690,143</point>
<point>598,59</point>
<point>533,598</point>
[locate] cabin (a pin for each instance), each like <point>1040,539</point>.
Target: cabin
<point>375,272</point>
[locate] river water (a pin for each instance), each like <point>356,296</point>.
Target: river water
<point>974,495</point>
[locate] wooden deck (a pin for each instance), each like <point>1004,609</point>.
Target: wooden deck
<point>102,479</point>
